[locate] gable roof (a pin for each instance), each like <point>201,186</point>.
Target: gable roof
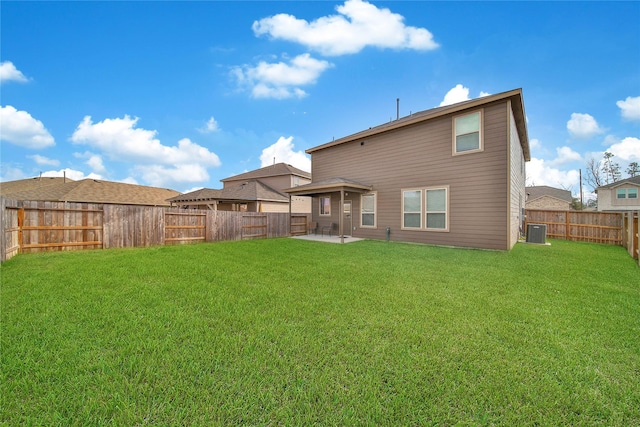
<point>278,169</point>
<point>514,95</point>
<point>535,192</point>
<point>634,180</point>
<point>248,191</point>
<point>97,191</point>
<point>11,187</point>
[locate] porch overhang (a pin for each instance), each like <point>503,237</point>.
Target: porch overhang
<point>332,185</point>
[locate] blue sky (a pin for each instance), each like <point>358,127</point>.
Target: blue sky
<point>183,94</point>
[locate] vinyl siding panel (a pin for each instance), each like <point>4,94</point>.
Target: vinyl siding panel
<point>517,193</point>
<point>420,156</point>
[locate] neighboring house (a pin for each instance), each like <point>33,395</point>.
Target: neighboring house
<point>85,191</point>
<point>620,196</point>
<point>452,175</point>
<point>259,190</point>
<point>548,198</point>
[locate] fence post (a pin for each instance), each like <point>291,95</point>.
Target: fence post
<point>20,224</point>
<point>567,226</point>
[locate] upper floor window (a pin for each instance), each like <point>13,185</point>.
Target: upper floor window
<point>624,193</point>
<point>467,132</point>
<point>325,206</point>
<point>368,214</point>
<point>296,181</point>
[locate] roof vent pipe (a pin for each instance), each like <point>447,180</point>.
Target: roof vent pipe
<point>397,108</point>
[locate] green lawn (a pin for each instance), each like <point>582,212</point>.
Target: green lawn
<point>288,332</point>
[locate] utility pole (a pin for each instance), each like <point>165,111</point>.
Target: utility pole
<point>581,200</point>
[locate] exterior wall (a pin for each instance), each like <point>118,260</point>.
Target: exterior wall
<point>548,203</point>
<point>608,201</point>
<point>273,207</point>
<point>420,156</point>
<point>517,192</point>
<point>300,204</point>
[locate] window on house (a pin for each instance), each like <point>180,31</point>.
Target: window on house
<point>296,181</point>
<point>632,193</point>
<point>621,193</point>
<point>467,134</point>
<point>436,208</point>
<point>368,216</point>
<point>325,206</point>
<point>412,209</point>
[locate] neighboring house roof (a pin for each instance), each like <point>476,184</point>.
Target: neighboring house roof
<point>277,169</point>
<point>11,187</point>
<point>248,191</point>
<point>514,95</point>
<point>538,191</point>
<point>635,180</point>
<point>97,191</point>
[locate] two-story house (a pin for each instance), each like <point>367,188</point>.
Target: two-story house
<point>622,195</point>
<point>452,175</point>
<point>259,190</point>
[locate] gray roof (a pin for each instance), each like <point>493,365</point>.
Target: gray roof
<point>634,180</point>
<point>94,191</point>
<point>538,191</point>
<point>247,191</point>
<point>277,169</point>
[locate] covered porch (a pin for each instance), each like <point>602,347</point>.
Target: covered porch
<point>340,186</point>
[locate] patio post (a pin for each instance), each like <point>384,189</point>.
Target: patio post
<point>341,213</point>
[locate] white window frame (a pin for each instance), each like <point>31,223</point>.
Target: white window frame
<point>621,193</point>
<point>423,209</point>
<point>445,212</point>
<point>420,212</point>
<point>635,192</point>
<point>375,209</point>
<point>480,133</point>
<point>321,205</point>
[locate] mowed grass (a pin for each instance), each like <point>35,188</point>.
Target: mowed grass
<point>288,332</point>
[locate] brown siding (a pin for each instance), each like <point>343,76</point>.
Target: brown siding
<point>420,156</point>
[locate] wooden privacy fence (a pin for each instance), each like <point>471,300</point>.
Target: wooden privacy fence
<point>595,227</point>
<point>53,226</point>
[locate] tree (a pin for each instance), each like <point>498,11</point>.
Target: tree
<point>610,168</point>
<point>633,169</point>
<point>594,174</point>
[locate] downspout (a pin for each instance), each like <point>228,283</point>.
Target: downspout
<point>341,213</point>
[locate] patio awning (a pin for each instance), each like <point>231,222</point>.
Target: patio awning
<point>332,185</point>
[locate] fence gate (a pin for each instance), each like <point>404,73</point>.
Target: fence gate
<point>184,227</point>
<point>254,226</point>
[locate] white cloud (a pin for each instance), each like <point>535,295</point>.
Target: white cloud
<point>566,155</point>
<point>19,128</point>
<point>630,108</point>
<point>534,144</point>
<point>281,80</point>
<point>120,140</point>
<point>358,24</point>
<point>165,176</point>
<point>457,94</point>
<point>627,150</point>
<point>72,174</point>
<point>282,151</point>
<point>583,126</point>
<point>44,161</point>
<point>9,72</point>
<point>210,127</point>
<point>541,173</point>
<point>96,165</point>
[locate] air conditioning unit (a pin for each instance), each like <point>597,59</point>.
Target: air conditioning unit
<point>536,233</point>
